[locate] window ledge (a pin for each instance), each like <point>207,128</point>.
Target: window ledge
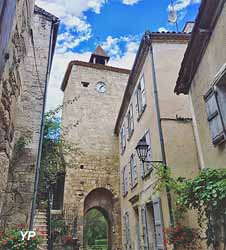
<point>219,139</point>
<point>141,113</point>
<point>129,137</point>
<point>147,174</point>
<point>125,194</point>
<point>134,186</point>
<point>122,152</point>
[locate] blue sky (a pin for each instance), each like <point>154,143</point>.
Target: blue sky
<point>117,25</point>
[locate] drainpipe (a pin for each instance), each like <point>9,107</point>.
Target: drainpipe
<point>54,26</point>
<point>161,138</point>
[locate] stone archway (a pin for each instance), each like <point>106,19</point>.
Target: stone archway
<point>103,200</point>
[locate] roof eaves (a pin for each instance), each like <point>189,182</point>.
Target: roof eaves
<point>208,15</point>
<point>89,65</point>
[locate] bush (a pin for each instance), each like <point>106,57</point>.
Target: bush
<point>12,239</point>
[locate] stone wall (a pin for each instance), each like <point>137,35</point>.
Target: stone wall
<point>89,125</point>
<point>10,85</point>
<point>26,118</point>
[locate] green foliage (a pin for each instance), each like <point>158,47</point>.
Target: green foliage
<point>13,240</point>
<point>206,193</point>
<point>59,227</point>
<point>54,150</point>
<point>95,227</point>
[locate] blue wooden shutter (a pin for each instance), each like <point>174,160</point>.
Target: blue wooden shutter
<point>143,95</point>
<point>144,227</point>
<point>158,220</point>
<point>214,117</point>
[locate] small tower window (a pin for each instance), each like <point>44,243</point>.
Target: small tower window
<point>85,84</point>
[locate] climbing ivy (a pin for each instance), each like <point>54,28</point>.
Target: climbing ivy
<point>206,193</point>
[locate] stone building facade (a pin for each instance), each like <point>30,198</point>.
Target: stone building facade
<point>24,76</point>
<point>144,212</point>
<point>202,77</point>
<point>92,95</point>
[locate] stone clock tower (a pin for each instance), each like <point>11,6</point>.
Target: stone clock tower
<point>93,93</point>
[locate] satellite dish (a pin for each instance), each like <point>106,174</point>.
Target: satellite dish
<point>172,18</point>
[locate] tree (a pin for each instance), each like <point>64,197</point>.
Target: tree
<point>95,227</point>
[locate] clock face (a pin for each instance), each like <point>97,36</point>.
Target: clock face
<point>101,87</point>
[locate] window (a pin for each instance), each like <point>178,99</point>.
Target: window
<point>146,168</point>
<point>130,122</point>
<point>140,98</point>
<point>215,100</point>
<point>123,138</point>
<point>126,237</point>
<point>133,171</point>
<point>85,84</point>
<point>125,183</point>
<point>152,225</point>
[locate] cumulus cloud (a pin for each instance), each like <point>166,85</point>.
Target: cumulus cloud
<point>130,2</point>
<point>71,15</point>
<point>122,59</point>
<point>183,4</point>
<point>75,29</point>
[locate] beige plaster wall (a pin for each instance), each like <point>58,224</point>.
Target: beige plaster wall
<point>212,61</point>
<point>179,141</point>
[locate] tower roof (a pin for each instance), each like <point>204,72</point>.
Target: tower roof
<point>99,53</point>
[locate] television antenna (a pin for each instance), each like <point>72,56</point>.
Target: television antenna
<point>172,17</point>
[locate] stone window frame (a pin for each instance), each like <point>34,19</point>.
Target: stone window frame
<point>125,181</point>
<point>215,99</point>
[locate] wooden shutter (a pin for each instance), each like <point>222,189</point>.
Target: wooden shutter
<point>131,117</point>
<point>7,13</point>
<point>126,180</point>
<point>135,169</point>
<point>214,117</point>
<point>127,229</point>
<point>125,232</point>
<point>144,227</point>
<point>221,96</point>
<point>143,95</point>
<point>149,155</point>
<point>128,124</point>
<point>158,220</point>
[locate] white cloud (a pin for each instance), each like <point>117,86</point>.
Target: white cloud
<point>162,29</point>
<point>71,15</point>
<point>130,2</point>
<point>183,4</point>
<point>62,58</point>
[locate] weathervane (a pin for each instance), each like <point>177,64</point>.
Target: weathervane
<point>172,18</point>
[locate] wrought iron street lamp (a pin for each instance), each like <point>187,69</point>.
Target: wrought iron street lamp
<point>142,150</point>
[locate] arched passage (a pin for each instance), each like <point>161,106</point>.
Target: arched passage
<point>102,200</point>
<point>96,228</point>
